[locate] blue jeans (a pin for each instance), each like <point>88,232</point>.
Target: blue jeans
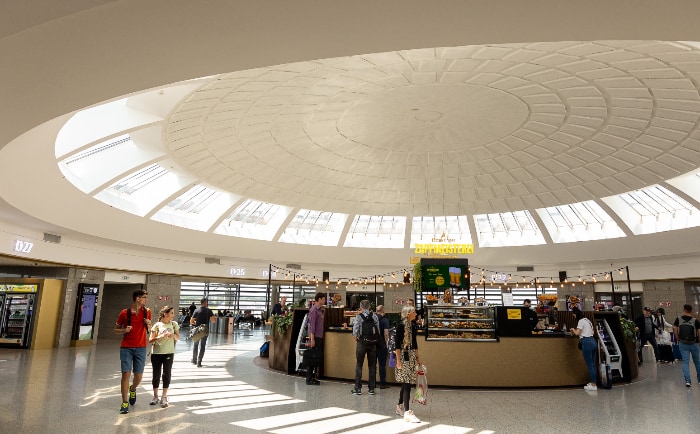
<point>590,352</point>
<point>686,351</point>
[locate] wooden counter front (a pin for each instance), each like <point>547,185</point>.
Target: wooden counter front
<point>511,362</point>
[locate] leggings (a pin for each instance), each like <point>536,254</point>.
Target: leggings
<point>405,395</point>
<point>166,362</point>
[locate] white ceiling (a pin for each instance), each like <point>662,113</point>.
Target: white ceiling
<point>516,120</point>
<point>448,131</point>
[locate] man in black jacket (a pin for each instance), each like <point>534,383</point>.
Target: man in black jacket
<point>646,326</point>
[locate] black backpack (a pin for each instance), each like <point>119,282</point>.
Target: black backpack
<point>369,334</point>
<point>686,330</point>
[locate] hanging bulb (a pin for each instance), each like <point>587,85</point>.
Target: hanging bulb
<point>607,276</point>
<point>620,271</point>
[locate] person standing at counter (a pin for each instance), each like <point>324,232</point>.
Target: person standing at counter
<point>382,351</point>
<point>315,329</point>
<point>589,346</point>
<point>531,314</point>
<point>365,330</point>
<point>407,361</point>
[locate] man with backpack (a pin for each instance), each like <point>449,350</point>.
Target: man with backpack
<point>133,323</point>
<point>365,330</point>
<point>687,329</point>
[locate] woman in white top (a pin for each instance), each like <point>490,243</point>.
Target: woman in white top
<point>164,334</point>
<point>589,346</point>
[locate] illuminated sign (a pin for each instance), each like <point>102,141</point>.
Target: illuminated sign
<point>23,246</point>
<point>444,249</point>
<point>266,273</point>
<point>238,272</point>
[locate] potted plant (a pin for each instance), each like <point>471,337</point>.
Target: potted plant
<point>281,323</point>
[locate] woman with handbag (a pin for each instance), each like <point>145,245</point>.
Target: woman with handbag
<point>164,334</point>
<point>588,345</point>
<point>407,361</point>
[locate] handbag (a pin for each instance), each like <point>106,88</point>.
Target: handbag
<point>199,332</point>
<point>421,394</point>
<point>392,360</point>
<point>312,358</point>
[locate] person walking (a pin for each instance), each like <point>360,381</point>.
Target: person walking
<point>133,323</point>
<point>202,315</point>
<point>407,361</point>
<point>687,329</point>
<point>382,351</point>
<point>365,330</point>
<point>164,334</point>
<point>647,326</point>
<point>589,347</point>
<point>315,330</point>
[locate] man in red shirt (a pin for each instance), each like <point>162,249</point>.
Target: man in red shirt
<point>134,324</point>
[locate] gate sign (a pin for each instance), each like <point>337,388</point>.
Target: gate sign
<point>23,246</point>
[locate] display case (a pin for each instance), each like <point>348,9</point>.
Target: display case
<point>460,323</point>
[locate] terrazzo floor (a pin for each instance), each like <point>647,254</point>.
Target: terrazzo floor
<point>76,390</point>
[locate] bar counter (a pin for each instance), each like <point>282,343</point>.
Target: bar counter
<point>510,362</point>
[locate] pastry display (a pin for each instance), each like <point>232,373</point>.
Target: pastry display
<point>460,323</point>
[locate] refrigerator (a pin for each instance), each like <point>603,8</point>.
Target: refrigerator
<point>16,315</point>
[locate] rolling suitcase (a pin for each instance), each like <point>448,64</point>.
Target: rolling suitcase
<point>666,354</point>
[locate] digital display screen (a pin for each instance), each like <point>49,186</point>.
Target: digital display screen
<point>445,276</point>
<point>87,315</point>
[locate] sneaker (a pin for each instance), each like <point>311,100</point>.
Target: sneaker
<point>408,416</point>
<point>164,402</point>
<point>356,391</point>
<point>154,401</point>
<point>590,387</point>
<point>199,365</point>
<point>399,410</point>
<point>124,409</point>
<point>371,391</point>
<point>687,384</point>
<point>132,396</point>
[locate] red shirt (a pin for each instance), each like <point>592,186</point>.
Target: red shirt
<point>136,338</point>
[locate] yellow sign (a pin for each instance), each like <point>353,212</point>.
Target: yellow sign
<point>515,314</point>
<point>444,249</point>
<point>415,260</point>
<point>19,288</point>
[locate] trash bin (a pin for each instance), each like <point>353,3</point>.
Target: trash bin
<point>229,329</point>
<point>222,325</point>
<point>212,327</point>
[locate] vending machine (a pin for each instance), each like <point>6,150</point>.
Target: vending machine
<point>16,314</point>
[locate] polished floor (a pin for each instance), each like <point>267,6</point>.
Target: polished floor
<point>76,390</point>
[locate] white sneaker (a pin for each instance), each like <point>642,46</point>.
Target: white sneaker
<point>155,401</point>
<point>164,402</point>
<point>399,410</point>
<point>591,387</point>
<point>408,416</point>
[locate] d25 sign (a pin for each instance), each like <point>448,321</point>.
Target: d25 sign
<point>23,246</point>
